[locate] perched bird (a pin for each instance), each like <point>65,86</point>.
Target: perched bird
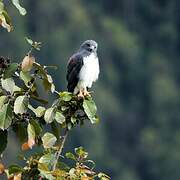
<point>83,69</point>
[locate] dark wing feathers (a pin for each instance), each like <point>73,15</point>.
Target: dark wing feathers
<point>74,66</point>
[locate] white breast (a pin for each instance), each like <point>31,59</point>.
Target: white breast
<point>90,70</point>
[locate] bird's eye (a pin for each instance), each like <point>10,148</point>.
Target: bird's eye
<point>88,45</point>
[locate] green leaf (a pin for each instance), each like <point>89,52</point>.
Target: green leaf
<point>26,77</point>
<point>66,96</point>
<point>3,140</point>
<point>42,101</point>
<point>17,89</point>
<point>41,70</point>
<point>49,115</point>
<point>69,126</point>
<point>5,21</point>
<point>70,155</point>
<point>22,10</point>
<point>48,83</point>
<point>31,131</point>
<point>59,117</point>
<point>46,175</point>
<point>14,168</point>
<point>103,176</point>
<point>73,120</point>
<point>90,110</point>
<point>81,152</point>
<point>47,79</point>
<point>21,104</point>
<point>10,70</point>
<point>48,140</point>
<point>63,166</point>
<point>3,99</point>
<point>5,116</point>
<point>8,84</point>
<point>91,162</point>
<point>48,160</point>
<point>39,111</point>
<point>29,41</point>
<point>55,129</point>
<point>1,7</point>
<point>21,131</point>
<point>36,125</point>
<point>31,135</point>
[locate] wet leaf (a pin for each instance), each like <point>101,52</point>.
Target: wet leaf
<point>49,115</point>
<point>21,104</point>
<point>3,140</point>
<point>5,116</point>
<point>27,63</point>
<point>22,10</point>
<point>59,117</point>
<point>8,84</point>
<point>48,140</point>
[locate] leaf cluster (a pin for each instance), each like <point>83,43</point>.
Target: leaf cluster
<point>19,89</point>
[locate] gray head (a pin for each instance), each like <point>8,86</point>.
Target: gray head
<point>89,46</point>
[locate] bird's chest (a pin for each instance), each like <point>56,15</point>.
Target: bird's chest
<point>90,69</point>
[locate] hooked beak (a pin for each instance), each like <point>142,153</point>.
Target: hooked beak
<point>92,48</point>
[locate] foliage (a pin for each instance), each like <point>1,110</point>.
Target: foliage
<point>19,86</point>
<point>18,89</point>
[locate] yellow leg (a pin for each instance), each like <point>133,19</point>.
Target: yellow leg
<point>80,95</point>
<point>86,93</point>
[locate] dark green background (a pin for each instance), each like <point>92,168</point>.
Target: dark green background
<point>137,94</point>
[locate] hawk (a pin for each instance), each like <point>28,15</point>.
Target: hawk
<point>83,69</point>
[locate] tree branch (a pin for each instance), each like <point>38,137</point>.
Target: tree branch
<point>60,149</point>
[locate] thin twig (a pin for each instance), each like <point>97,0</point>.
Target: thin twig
<point>60,149</point>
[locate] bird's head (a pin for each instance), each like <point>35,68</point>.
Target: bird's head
<point>89,45</point>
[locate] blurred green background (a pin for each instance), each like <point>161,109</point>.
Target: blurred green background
<point>138,97</point>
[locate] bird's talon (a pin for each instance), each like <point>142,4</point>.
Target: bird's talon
<point>80,95</point>
<point>86,93</point>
